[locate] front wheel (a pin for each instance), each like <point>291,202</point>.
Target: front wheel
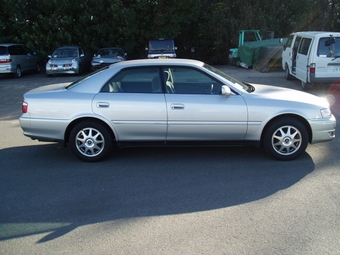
<point>285,139</point>
<point>90,141</point>
<point>288,76</point>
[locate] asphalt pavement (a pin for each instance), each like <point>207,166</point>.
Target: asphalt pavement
<point>165,200</point>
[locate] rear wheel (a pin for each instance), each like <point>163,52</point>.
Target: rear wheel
<point>90,141</point>
<point>285,139</point>
<point>18,72</point>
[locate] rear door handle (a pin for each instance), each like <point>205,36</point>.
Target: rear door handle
<point>103,105</point>
<point>177,106</point>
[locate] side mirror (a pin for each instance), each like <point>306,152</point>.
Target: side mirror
<point>49,56</point>
<point>146,48</point>
<point>225,90</point>
<point>82,55</point>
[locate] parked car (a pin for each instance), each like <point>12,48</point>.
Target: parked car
<point>107,56</point>
<point>173,102</point>
<point>312,57</point>
<point>68,60</point>
<point>17,58</point>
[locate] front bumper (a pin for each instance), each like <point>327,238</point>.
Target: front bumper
<point>323,130</point>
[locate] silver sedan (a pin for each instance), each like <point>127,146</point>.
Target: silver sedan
<point>174,102</point>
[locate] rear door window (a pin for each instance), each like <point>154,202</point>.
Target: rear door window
<point>304,46</point>
<point>135,80</point>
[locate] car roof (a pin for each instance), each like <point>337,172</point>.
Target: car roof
<point>68,47</point>
<point>10,44</point>
<point>111,48</point>
<point>317,33</point>
<point>172,61</point>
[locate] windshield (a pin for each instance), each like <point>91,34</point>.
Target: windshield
<point>65,53</point>
<point>110,52</point>
<point>238,84</point>
<point>161,46</point>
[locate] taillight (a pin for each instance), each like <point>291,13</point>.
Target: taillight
<point>24,107</point>
<point>312,67</point>
<point>3,61</point>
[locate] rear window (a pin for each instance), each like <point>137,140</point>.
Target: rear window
<point>3,51</point>
<point>16,50</point>
<point>328,51</point>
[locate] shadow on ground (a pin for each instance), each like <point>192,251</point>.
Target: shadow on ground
<point>45,189</point>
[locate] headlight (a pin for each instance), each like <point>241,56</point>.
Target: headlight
<point>326,113</point>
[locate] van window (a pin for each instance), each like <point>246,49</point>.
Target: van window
<point>304,46</point>
<point>3,51</point>
<point>328,51</point>
<point>289,42</point>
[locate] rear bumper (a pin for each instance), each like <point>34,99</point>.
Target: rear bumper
<point>333,79</point>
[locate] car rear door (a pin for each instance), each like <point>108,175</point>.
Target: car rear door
<point>134,102</point>
<point>198,112</point>
<point>302,59</point>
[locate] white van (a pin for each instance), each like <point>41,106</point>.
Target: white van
<point>312,57</point>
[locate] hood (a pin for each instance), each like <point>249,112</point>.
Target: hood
<point>62,60</point>
<point>285,94</point>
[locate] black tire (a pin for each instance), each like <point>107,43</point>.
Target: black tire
<point>38,68</point>
<point>90,141</point>
<point>18,72</point>
<point>288,76</point>
<point>285,139</point>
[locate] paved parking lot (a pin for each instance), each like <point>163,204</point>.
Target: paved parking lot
<point>168,200</point>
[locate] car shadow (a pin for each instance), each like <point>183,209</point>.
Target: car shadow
<point>45,189</point>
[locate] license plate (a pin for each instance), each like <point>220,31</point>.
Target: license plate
<point>162,57</point>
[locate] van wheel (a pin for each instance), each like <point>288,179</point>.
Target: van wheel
<point>17,73</point>
<point>288,76</point>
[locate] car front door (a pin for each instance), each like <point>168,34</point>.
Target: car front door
<point>134,102</point>
<point>197,111</point>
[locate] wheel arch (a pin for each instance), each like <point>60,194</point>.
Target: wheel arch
<point>93,119</point>
<point>295,116</point>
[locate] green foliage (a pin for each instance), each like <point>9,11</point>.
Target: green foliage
<point>208,26</point>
